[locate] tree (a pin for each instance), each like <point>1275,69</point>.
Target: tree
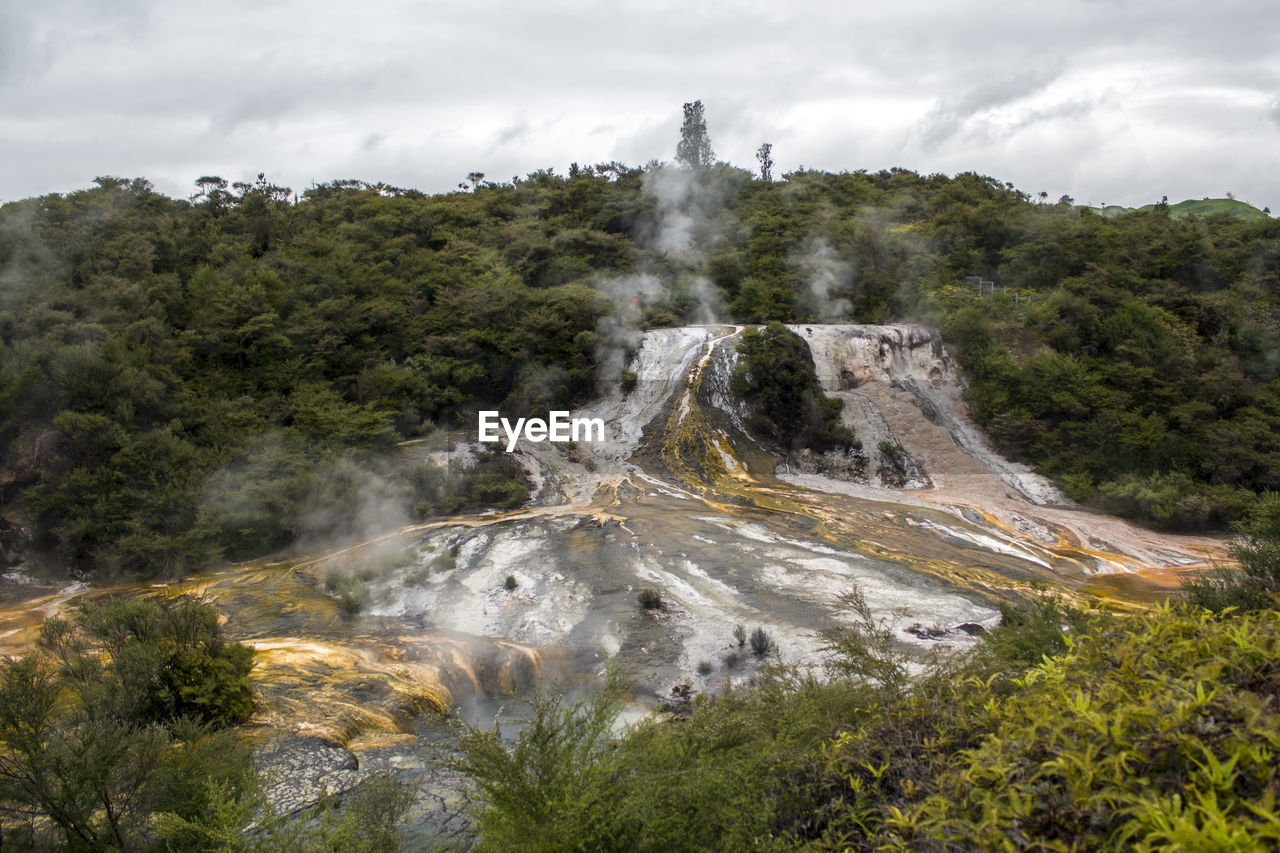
<point>1254,582</point>
<point>118,717</point>
<point>765,155</point>
<point>694,150</point>
<point>211,190</point>
<point>775,375</point>
<point>472,182</point>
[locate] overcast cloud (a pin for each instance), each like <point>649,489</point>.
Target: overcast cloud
<point>1106,100</point>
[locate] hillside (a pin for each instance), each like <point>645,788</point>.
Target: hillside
<point>1195,207</point>
<point>184,380</point>
<point>250,373</point>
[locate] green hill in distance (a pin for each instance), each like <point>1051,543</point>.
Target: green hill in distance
<point>1194,207</point>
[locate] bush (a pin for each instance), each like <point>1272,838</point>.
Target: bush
<point>761,642</point>
<point>650,599</point>
<point>1146,732</point>
<point>117,717</point>
<point>538,788</point>
<point>1029,632</point>
<point>715,782</point>
<point>1184,764</point>
<point>497,481</point>
<point>165,662</point>
<point>510,583</point>
<point>334,578</point>
<point>1256,583</point>
<point>353,598</point>
<point>865,650</point>
<point>776,376</point>
<point>351,592</point>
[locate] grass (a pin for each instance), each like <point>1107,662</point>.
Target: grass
<point>1197,207</point>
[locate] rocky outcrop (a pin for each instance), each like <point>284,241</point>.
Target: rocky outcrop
<point>864,364</point>
<point>301,769</point>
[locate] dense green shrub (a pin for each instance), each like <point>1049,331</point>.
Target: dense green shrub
<point>540,787</point>
<point>119,716</point>
<point>1154,733</point>
<point>715,781</point>
<point>155,662</point>
<point>496,480</point>
<point>1254,583</point>
<point>776,378</point>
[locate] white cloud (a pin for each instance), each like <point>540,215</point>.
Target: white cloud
<point>1128,100</point>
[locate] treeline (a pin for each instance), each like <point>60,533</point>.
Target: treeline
<point>181,381</point>
<point>1142,376</point>
<point>185,380</point>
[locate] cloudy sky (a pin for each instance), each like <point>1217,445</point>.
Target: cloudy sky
<point>1105,100</point>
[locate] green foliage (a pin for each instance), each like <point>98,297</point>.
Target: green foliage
<point>180,380</point>
<point>352,594</point>
<point>539,788</point>
<point>864,650</point>
<point>1028,633</point>
<point>116,718</point>
<point>1153,733</point>
<point>1254,583</point>
<point>1160,407</point>
<point>715,781</point>
<point>1061,730</point>
<point>496,480</point>
<point>367,820</point>
<point>154,663</point>
<point>694,150</point>
<point>777,379</point>
<point>186,377</point>
<point>1208,207</point>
